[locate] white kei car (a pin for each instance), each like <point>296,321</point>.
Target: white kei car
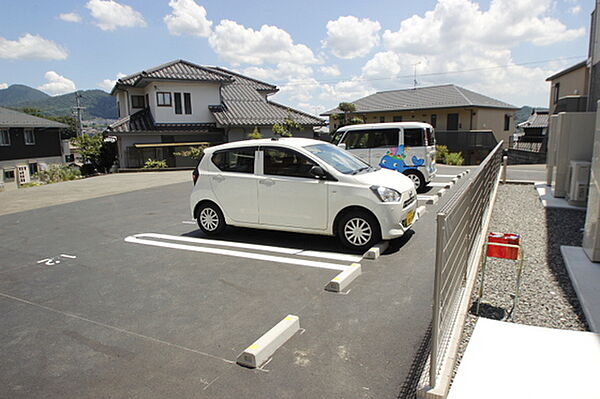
<point>304,186</point>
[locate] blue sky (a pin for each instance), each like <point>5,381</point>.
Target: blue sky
<point>318,52</point>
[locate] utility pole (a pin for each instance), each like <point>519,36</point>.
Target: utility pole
<point>77,110</point>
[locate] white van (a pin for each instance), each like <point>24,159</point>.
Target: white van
<point>406,147</point>
<point>301,185</point>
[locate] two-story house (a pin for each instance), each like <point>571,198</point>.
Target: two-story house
<point>169,108</point>
<point>464,120</point>
<point>27,144</point>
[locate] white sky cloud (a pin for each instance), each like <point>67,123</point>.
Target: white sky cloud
<point>237,44</point>
<point>575,10</point>
<point>108,84</point>
<point>70,17</point>
<point>31,47</point>
<point>187,18</point>
<point>330,70</point>
<point>57,84</point>
<point>3,85</point>
<point>110,15</point>
<point>350,37</point>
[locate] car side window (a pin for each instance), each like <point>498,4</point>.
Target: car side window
<point>286,162</point>
<point>384,138</point>
<point>414,138</point>
<point>357,139</point>
<point>240,160</point>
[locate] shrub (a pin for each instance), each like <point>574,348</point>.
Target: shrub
<point>440,153</point>
<point>255,135</point>
<point>454,158</point>
<point>155,164</point>
<point>194,153</point>
<point>57,173</point>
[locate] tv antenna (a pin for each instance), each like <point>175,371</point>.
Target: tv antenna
<point>415,74</point>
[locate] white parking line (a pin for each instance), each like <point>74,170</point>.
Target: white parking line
<point>441,184</point>
<point>189,222</point>
<point>257,247</point>
<point>445,176</point>
<point>219,251</point>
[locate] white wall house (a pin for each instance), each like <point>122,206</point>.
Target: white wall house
<point>169,108</point>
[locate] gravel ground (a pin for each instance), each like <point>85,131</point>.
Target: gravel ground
<point>547,297</point>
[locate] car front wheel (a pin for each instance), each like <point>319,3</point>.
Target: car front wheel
<point>417,178</point>
<point>210,219</point>
<point>358,231</point>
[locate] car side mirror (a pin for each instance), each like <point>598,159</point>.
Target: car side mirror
<point>317,172</point>
<point>342,145</point>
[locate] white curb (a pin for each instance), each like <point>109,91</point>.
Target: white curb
<point>342,280</point>
<point>376,251</point>
<point>261,350</point>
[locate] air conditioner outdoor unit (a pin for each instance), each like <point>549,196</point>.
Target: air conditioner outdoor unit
<point>578,182</point>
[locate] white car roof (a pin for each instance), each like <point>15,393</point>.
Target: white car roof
<point>285,141</point>
<point>406,125</point>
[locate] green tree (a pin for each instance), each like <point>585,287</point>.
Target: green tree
<point>90,148</point>
<point>346,118</point>
<point>287,128</point>
<point>255,135</point>
<point>194,153</point>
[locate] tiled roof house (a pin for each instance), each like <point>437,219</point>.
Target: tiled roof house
<point>166,109</point>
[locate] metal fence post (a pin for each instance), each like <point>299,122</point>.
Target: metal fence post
<point>437,282</point>
<point>504,167</point>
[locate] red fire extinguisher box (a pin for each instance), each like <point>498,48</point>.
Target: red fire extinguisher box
<point>500,251</point>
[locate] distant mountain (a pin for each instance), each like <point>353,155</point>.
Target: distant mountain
<point>523,114</point>
<point>15,94</point>
<point>97,103</point>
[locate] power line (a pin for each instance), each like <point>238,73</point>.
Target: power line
<point>312,82</point>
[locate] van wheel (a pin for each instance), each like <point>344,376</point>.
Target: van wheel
<point>210,219</point>
<point>417,178</point>
<point>358,230</point>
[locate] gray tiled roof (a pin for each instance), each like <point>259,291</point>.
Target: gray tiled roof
<point>142,121</point>
<point>11,118</point>
<point>244,101</point>
<point>176,70</point>
<point>432,97</point>
<point>244,105</point>
<point>535,121</point>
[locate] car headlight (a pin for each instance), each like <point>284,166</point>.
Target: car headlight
<point>386,194</point>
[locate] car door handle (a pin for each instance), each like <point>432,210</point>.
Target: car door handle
<point>267,182</point>
<point>218,178</point>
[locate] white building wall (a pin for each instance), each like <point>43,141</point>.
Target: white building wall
<point>203,95</point>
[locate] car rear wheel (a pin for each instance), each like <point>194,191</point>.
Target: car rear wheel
<point>358,230</point>
<point>210,219</point>
<point>417,178</point>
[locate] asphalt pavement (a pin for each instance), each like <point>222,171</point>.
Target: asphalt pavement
<point>86,314</point>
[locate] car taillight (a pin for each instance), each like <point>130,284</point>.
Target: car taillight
<point>194,178</point>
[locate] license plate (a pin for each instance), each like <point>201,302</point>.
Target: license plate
<point>410,217</point>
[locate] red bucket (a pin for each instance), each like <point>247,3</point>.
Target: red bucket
<point>500,251</point>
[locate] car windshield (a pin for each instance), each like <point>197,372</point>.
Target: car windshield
<point>341,160</point>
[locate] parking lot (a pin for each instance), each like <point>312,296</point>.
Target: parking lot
<point>122,296</point>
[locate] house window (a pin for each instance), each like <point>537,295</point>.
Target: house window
<point>138,102</point>
<point>397,118</point>
<point>163,99</point>
<point>4,137</point>
<point>118,110</point>
<point>177,97</point>
<point>33,168</point>
<point>556,92</point>
<point>506,121</point>
<point>187,102</point>
<point>29,137</point>
<point>381,119</point>
<point>433,120</point>
<point>9,175</point>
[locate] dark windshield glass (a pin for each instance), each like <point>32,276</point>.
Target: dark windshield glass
<point>414,137</point>
<point>430,136</point>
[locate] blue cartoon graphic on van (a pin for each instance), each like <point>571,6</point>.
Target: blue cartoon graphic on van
<point>394,160</point>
